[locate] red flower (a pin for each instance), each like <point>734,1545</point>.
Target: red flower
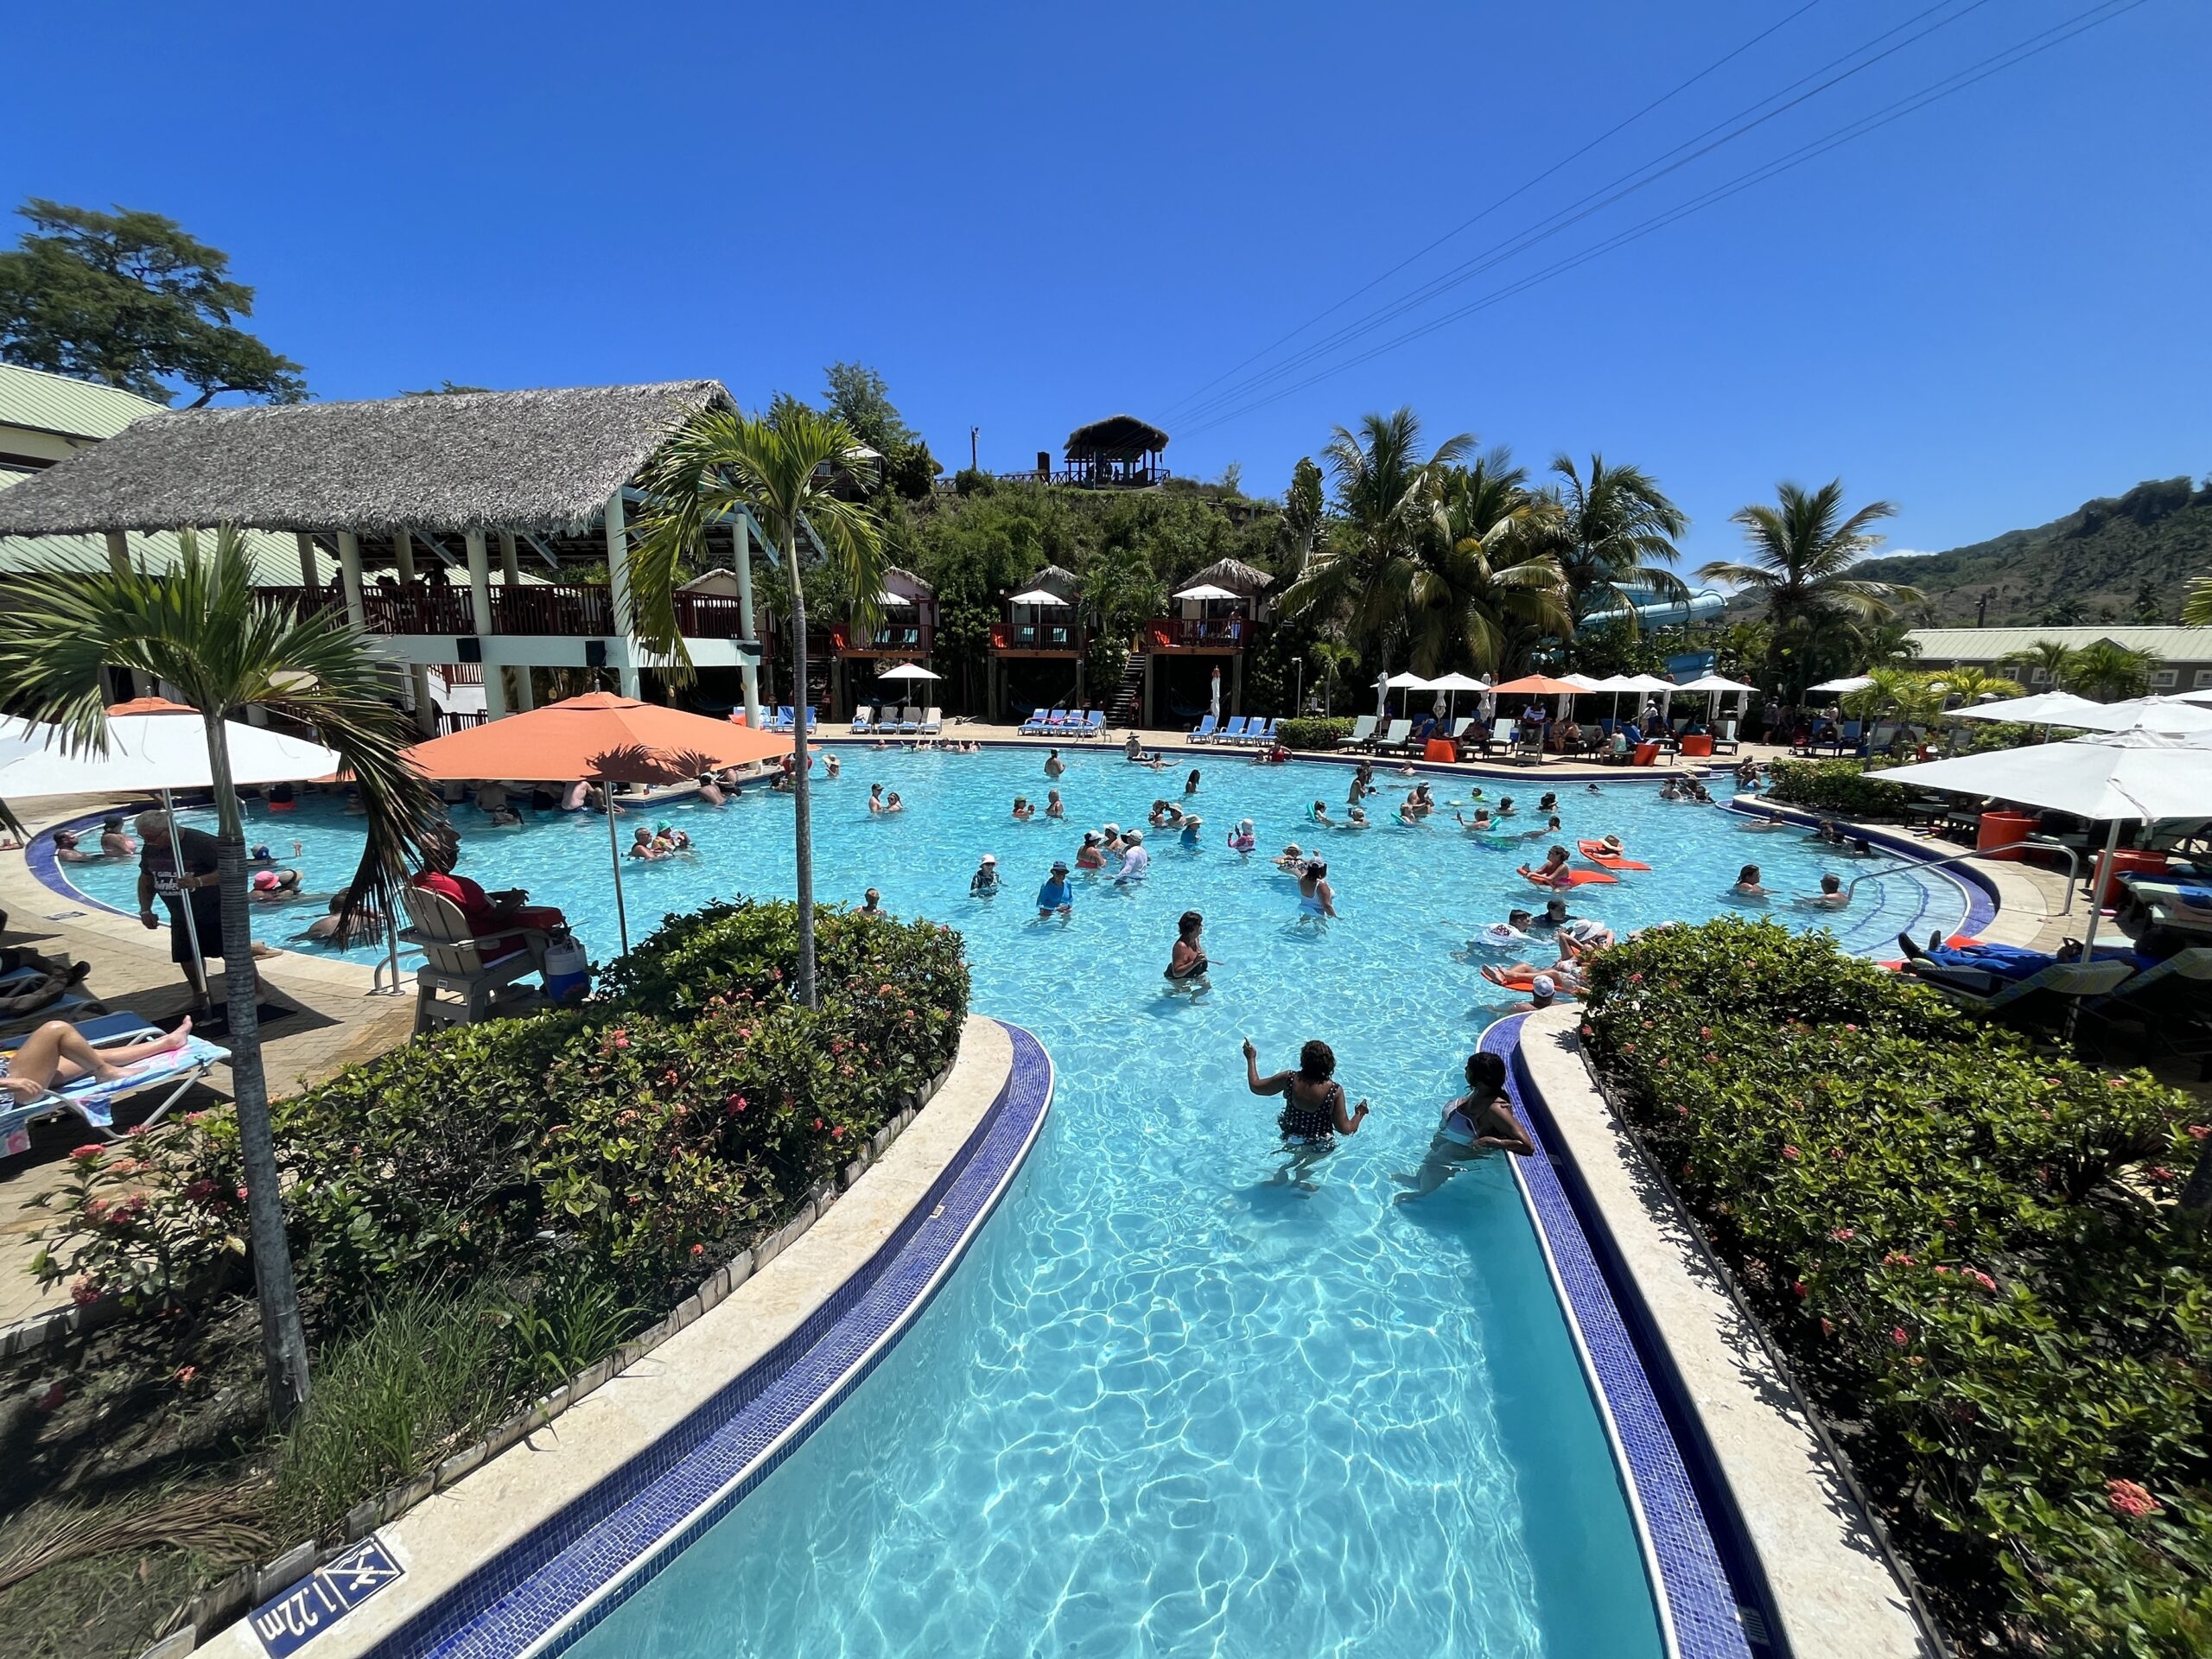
<point>1897,1259</point>
<point>1942,1270</point>
<point>1681,1111</point>
<point>2198,1131</point>
<point>1798,1287</point>
<point>1898,1336</point>
<point>1844,1235</point>
<point>1828,1326</point>
<point>88,1151</point>
<point>52,1398</point>
<point>818,1122</point>
<point>184,1374</point>
<point>1792,1154</point>
<point>1706,1032</point>
<point>1981,1279</point>
<point>619,1038</point>
<point>84,1292</point>
<point>2129,1501</point>
<point>698,1250</point>
<point>734,1103</point>
<point>2160,1173</point>
<point>1635,979</point>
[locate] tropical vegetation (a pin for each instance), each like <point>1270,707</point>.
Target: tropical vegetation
<point>201,630</point>
<point>1967,1247</point>
<point>476,1218</point>
<point>2103,671</point>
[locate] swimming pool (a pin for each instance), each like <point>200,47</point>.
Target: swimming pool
<point>1177,1401</point>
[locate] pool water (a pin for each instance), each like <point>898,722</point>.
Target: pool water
<point>1186,1395</point>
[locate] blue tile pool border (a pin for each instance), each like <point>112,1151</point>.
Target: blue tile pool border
<point>1701,1573</point>
<point>559,1581</point>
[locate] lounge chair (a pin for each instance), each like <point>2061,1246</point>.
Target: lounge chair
<point>458,966</point>
<point>95,1103</point>
<point>1035,724</point>
<point>1094,724</point>
<point>932,722</point>
<point>1203,729</point>
<point>1235,730</point>
<point>2063,978</point>
<point>69,1005</point>
<point>1363,734</point>
<point>863,719</point>
<point>1397,737</point>
<point>1262,735</point>
<point>1503,733</point>
<point>1723,739</point>
<point>909,721</point>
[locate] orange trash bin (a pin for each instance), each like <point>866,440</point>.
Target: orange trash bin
<point>1441,748</point>
<point>1999,829</point>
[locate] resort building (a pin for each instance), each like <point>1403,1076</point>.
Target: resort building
<point>851,657</point>
<point>1118,450</point>
<point>1216,618</point>
<point>2185,655</point>
<point>1037,646</point>
<point>476,535</point>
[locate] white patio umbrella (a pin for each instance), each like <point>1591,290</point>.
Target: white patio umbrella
<point>1037,596</point>
<point>1451,685</point>
<point>153,747</point>
<point>1716,683</point>
<point>908,671</point>
<point>2167,715</point>
<point>1849,682</point>
<point>2202,695</point>
<point>1206,590</point>
<point>2043,709</point>
<point>2111,777</point>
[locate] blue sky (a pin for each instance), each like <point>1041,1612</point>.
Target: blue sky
<point>1030,217</point>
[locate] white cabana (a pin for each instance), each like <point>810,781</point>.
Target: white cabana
<point>1716,685</point>
<point>153,747</point>
<point>2110,777</point>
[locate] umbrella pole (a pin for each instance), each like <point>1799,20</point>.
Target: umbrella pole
<point>2097,891</point>
<point>183,898</point>
<point>614,851</point>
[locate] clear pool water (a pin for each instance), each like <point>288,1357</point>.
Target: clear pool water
<point>1182,1398</point>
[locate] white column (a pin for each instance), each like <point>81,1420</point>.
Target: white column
<point>479,600</point>
<point>306,543</point>
<point>510,577</point>
<point>741,561</point>
<point>349,577</point>
<point>426,712</point>
<point>617,592</point>
<point>118,553</point>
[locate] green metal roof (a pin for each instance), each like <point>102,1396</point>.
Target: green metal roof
<point>54,402</point>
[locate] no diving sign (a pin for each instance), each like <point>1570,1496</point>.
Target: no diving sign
<point>285,1623</point>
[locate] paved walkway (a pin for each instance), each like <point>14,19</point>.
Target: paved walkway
<point>331,1021</point>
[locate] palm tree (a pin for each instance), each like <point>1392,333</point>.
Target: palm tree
<point>2197,606</point>
<point>2108,672</point>
<point>1332,661</point>
<point>1389,498</point>
<point>714,465</point>
<point>1614,538</point>
<point>1485,584</point>
<point>1802,549</point>
<point>1970,685</point>
<point>2047,662</point>
<point>202,631</point>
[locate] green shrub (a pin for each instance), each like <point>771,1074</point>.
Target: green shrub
<point>1927,1213</point>
<point>1315,732</point>
<point>1840,789</point>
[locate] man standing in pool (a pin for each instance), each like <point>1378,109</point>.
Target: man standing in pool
<point>1054,766</point>
<point>1055,897</point>
<point>1314,1101</point>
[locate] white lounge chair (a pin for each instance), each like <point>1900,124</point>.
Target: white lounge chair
<point>460,973</point>
<point>932,723</point>
<point>1396,738</point>
<point>1363,733</point>
<point>863,719</point>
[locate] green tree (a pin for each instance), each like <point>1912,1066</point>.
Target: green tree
<point>1486,588</point>
<point>2108,672</point>
<point>1333,663</point>
<point>128,299</point>
<point>1389,503</point>
<point>857,396</point>
<point>1304,507</point>
<point>1803,547</point>
<point>1614,538</point>
<point>2196,612</point>
<point>202,631</point>
<point>2046,661</point>
<point>715,462</point>
<point>1970,685</point>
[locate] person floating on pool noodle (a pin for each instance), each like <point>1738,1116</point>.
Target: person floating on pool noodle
<point>1055,897</point>
<point>1313,1109</point>
<point>1479,1122</point>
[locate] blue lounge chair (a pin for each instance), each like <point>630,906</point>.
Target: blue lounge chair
<point>95,1103</point>
<point>1262,735</point>
<point>1094,723</point>
<point>909,721</point>
<point>1035,724</point>
<point>1204,729</point>
<point>863,719</point>
<point>1235,730</point>
<point>932,723</point>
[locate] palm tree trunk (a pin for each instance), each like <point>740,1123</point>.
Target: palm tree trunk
<point>283,1343</point>
<point>802,825</point>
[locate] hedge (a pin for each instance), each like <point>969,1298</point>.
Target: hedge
<point>1842,789</point>
<point>689,1107</point>
<point>1313,732</point>
<point>1960,1240</point>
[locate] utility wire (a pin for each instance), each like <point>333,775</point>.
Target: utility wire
<point>1628,183</point>
<point>2033,46</point>
<point>1469,224</point>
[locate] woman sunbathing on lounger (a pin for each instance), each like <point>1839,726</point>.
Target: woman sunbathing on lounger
<point>56,1054</point>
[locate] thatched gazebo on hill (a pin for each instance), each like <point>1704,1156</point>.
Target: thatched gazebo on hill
<point>1120,449</point>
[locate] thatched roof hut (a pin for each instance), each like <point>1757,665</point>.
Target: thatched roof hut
<point>1118,439</point>
<point>1056,580</point>
<point>1234,574</point>
<point>543,462</point>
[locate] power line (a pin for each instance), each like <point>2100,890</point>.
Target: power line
<point>1626,184</point>
<point>2033,46</point>
<point>1469,224</point>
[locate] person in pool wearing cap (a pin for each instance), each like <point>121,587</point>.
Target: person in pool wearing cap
<point>1191,824</point>
<point>1135,860</point>
<point>985,881</point>
<point>1543,991</point>
<point>1055,897</point>
<point>1092,854</point>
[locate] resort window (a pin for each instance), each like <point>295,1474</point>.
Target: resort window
<point>2203,678</point>
<point>2163,677</point>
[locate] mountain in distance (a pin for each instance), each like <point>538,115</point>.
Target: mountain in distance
<point>2121,559</point>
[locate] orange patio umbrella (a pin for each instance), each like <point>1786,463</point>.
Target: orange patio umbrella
<point>599,736</point>
<point>1535,685</point>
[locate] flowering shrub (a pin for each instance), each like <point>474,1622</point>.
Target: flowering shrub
<point>1839,789</point>
<point>693,1106</point>
<point>1928,1214</point>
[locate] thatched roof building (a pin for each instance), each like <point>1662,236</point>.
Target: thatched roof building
<point>1117,438</point>
<point>543,462</point>
<point>1057,580</point>
<point>1234,574</point>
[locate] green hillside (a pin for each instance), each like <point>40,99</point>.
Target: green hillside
<point>2118,559</point>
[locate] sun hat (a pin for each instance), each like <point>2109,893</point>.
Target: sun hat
<point>1059,867</point>
<point>990,858</point>
<point>1543,985</point>
<point>1133,836</point>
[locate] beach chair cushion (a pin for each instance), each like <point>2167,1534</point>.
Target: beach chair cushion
<point>95,1101</point>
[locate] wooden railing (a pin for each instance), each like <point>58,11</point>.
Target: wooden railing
<point>417,608</point>
<point>301,602</point>
<point>710,616</point>
<point>571,609</point>
<point>1189,634</point>
<point>1037,636</point>
<point>567,609</point>
<point>898,639</point>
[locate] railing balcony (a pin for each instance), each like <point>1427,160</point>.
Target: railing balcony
<point>1166,634</point>
<point>892,639</point>
<point>301,602</point>
<point>416,607</point>
<point>1067,637</point>
<point>710,616</point>
<point>571,609</point>
<point>565,609</point>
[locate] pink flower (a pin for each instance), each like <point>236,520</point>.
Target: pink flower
<point>2129,1501</point>
<point>1828,1326</point>
<point>1704,1032</point>
<point>1681,1111</point>
<point>1981,1279</point>
<point>1897,1259</point>
<point>838,1134</point>
<point>2160,1173</point>
<point>1635,979</point>
<point>1851,1027</point>
<point>1942,1270</point>
<point>89,1151</point>
<point>1792,1154</point>
<point>1897,1336</point>
<point>84,1292</point>
<point>619,1039</point>
<point>698,1250</point>
<point>818,1122</point>
<point>1844,1235</point>
<point>1797,1288</point>
<point>2198,1131</point>
<point>184,1374</point>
